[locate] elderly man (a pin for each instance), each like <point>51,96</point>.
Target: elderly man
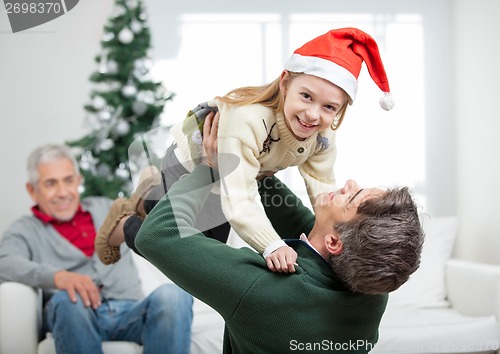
<point>86,302</point>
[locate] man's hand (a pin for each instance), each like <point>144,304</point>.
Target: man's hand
<point>282,260</point>
<point>209,150</point>
<point>78,283</point>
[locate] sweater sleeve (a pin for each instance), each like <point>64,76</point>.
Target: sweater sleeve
<point>240,136</point>
<point>288,215</point>
<point>318,171</point>
<point>16,258</point>
<point>239,196</point>
<point>212,271</point>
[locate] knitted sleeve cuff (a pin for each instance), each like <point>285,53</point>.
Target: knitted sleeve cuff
<point>273,247</point>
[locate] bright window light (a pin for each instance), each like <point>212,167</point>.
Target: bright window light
<point>219,52</point>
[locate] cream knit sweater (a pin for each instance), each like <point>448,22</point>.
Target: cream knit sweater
<point>253,140</point>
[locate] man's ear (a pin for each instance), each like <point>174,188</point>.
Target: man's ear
<point>31,191</point>
<point>333,244</point>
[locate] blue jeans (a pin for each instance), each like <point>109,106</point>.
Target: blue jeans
<point>161,323</point>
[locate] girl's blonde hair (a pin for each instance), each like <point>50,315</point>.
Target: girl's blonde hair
<point>271,96</point>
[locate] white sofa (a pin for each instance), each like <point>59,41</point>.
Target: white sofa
<point>447,306</point>
<point>20,318</point>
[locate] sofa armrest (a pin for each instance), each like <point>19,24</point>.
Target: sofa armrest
<point>473,288</point>
<point>20,313</point>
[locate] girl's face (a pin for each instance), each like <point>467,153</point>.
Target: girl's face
<point>311,103</point>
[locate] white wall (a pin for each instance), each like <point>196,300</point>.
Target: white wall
<point>44,85</point>
<point>478,125</point>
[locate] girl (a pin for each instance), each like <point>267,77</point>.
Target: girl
<point>261,130</point>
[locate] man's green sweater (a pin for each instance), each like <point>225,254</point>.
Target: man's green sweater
<point>307,311</point>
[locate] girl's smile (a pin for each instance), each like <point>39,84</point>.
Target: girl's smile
<point>311,103</point>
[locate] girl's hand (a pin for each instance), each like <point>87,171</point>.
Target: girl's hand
<point>209,150</point>
<point>282,260</point>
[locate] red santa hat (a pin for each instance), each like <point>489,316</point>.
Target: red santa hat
<point>337,56</point>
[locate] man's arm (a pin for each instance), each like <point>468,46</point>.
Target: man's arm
<point>16,265</point>
<point>208,269</point>
<point>288,215</point>
<point>16,262</point>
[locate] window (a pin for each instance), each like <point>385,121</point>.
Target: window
<point>219,52</point>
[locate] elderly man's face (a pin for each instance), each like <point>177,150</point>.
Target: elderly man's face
<point>56,192</point>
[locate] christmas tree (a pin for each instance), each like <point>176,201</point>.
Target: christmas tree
<point>124,104</point>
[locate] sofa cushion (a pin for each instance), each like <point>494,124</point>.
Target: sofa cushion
<point>47,346</point>
<point>426,287</point>
<point>413,330</point>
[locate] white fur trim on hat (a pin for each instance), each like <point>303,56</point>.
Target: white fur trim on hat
<point>324,69</point>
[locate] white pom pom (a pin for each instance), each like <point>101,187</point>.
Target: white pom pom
<point>387,101</point>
